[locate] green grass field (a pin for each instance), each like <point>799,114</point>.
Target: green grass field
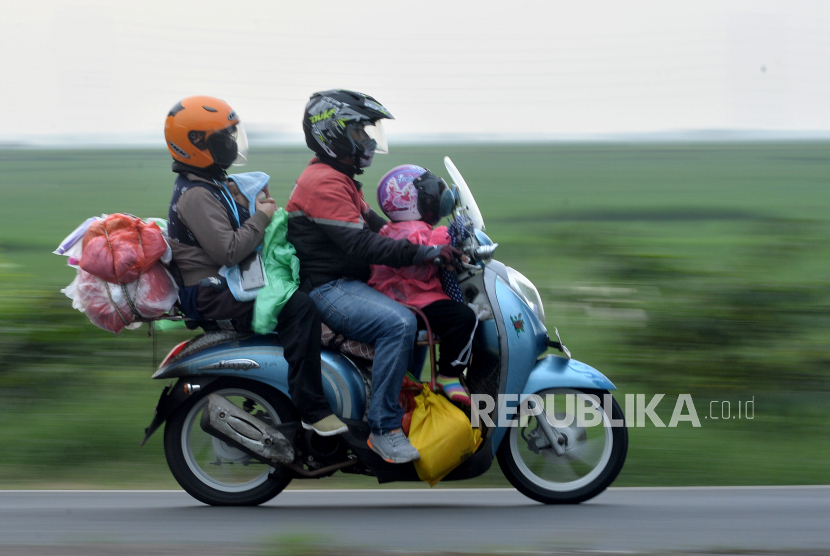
<point>698,269</point>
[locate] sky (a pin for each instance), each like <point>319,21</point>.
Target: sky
<point>109,71</point>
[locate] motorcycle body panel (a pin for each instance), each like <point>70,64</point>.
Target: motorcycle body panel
<point>487,337</point>
<point>525,336</point>
<point>517,343</point>
<point>553,371</point>
<point>261,358</point>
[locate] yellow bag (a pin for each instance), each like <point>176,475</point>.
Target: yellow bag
<point>442,434</point>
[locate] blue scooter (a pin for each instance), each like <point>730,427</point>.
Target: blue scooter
<point>233,436</point>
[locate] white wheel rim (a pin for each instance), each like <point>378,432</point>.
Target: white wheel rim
<point>191,429</point>
<point>517,442</point>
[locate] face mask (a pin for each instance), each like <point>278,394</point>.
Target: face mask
<point>366,159</point>
<point>368,153</point>
<point>223,147</point>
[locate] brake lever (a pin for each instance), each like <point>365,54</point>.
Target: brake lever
<point>457,264</point>
<point>485,251</point>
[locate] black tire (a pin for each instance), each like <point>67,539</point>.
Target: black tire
<point>189,450</point>
<point>542,482</point>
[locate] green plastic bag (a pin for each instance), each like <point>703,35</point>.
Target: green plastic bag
<point>283,270</point>
<point>168,325</point>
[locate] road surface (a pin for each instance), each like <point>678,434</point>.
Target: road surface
<point>786,519</point>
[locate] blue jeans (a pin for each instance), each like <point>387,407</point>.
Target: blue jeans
<point>359,312</point>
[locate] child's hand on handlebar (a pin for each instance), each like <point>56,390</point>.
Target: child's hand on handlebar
<point>442,255</point>
<point>439,255</point>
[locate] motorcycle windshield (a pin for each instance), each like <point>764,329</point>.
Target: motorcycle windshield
<point>468,202</point>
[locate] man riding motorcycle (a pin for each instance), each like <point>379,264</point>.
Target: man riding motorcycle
<point>335,234</point>
<point>211,224</point>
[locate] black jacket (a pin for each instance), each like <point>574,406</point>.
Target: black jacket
<point>335,232</point>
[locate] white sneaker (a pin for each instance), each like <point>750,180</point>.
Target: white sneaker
<point>327,426</point>
<point>393,447</point>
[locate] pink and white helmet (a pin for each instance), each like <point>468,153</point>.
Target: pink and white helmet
<point>410,192</point>
<point>397,196</point>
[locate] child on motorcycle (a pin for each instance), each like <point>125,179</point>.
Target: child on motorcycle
<point>414,199</point>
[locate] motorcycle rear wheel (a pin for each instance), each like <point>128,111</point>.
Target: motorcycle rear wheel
<point>212,471</point>
<point>593,458</point>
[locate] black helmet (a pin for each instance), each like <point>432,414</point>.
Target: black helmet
<point>335,121</point>
<point>435,199</point>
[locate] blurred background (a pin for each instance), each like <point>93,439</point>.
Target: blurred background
<point>658,169</point>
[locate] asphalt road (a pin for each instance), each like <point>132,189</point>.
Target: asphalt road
<point>791,519</point>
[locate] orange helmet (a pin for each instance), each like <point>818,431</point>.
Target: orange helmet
<point>202,131</point>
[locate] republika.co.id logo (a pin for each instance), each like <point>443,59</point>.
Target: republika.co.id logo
<point>588,410</point>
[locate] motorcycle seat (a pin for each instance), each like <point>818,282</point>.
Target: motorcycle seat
<point>329,338</point>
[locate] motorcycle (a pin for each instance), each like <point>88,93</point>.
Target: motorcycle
<point>233,437</point>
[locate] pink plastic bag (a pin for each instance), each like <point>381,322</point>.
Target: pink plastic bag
<point>107,307</point>
<point>120,247</point>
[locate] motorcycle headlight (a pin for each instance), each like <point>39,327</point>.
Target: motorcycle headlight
<point>527,291</point>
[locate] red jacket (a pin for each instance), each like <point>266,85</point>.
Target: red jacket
<point>335,232</point>
<point>413,285</point>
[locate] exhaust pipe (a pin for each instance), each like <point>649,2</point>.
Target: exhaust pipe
<point>227,422</point>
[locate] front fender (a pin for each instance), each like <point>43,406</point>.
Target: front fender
<point>558,372</point>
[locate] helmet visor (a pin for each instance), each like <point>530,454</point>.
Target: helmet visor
<point>229,146</point>
<point>375,131</point>
<point>241,145</point>
<point>446,202</point>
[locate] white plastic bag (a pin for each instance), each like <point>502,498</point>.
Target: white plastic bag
<point>106,306</point>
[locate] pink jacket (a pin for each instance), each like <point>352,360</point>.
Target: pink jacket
<point>413,285</point>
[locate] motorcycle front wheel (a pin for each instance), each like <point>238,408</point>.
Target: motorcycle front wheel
<point>214,472</point>
<point>593,453</point>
